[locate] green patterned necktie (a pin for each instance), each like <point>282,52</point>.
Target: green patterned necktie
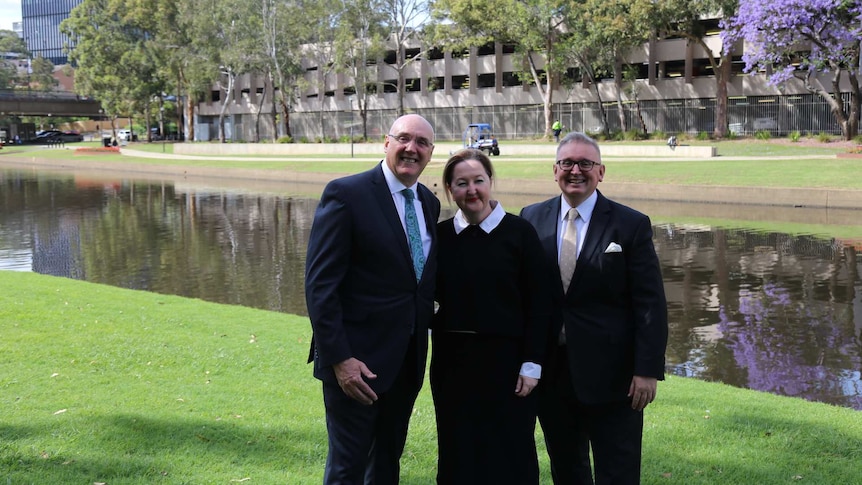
<point>413,234</point>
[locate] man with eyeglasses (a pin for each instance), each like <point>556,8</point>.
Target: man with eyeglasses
<point>369,286</point>
<point>606,353</point>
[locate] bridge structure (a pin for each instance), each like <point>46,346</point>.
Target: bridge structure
<point>56,103</point>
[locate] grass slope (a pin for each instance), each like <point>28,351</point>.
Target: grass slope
<point>106,385</point>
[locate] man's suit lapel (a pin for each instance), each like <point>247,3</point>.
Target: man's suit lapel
<point>547,230</point>
<point>591,249</point>
<point>384,200</point>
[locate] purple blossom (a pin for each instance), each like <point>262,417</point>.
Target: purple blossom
<point>815,35</point>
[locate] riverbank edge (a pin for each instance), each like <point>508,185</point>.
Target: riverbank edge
<point>822,198</point>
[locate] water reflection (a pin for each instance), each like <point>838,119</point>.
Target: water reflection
<point>767,311</point>
<point>762,310</point>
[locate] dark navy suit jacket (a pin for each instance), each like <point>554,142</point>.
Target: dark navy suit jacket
<point>360,287</point>
<point>615,311</point>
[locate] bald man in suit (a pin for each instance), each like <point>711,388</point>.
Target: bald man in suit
<point>369,286</point>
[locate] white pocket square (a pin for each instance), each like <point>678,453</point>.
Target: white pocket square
<point>614,248</point>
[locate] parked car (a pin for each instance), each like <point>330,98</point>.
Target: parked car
<point>47,135</point>
<point>70,136</point>
<point>57,136</point>
<point>124,135</point>
<point>480,137</point>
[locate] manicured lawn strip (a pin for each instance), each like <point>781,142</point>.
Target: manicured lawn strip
<point>102,384</point>
<point>821,230</point>
<point>808,173</point>
<point>727,148</point>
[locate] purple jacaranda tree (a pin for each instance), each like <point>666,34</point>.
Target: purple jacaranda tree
<point>803,39</point>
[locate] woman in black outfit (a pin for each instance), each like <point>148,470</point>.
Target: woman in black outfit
<point>489,333</point>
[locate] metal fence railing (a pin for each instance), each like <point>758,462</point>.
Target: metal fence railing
<point>778,115</point>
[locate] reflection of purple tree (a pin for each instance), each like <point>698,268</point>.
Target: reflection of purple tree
<point>794,348</point>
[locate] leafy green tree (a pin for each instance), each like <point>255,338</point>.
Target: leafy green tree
<point>321,49</point>
<point>181,68</point>
<point>227,37</point>
<point>42,74</point>
<point>801,40</point>
<point>601,33</point>
<point>535,27</point>
<point>116,63</point>
<point>684,18</point>
<point>11,43</point>
<point>285,26</point>
<point>360,42</point>
<point>403,18</point>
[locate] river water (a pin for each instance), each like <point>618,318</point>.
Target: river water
<point>751,307</point>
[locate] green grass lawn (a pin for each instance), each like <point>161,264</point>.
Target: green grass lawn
<point>106,385</point>
<point>754,171</point>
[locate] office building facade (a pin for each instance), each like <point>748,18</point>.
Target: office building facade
<point>41,20</point>
<point>676,93</point>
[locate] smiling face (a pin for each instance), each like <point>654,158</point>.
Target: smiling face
<point>471,190</point>
<point>576,184</point>
<point>408,148</point>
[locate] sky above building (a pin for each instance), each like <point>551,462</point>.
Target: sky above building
<point>10,11</point>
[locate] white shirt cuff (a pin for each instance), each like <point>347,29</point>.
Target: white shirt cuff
<point>529,369</point>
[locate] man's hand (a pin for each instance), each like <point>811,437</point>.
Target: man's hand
<point>525,385</point>
<point>351,375</point>
<point>642,391</point>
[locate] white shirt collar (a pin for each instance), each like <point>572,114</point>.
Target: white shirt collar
<point>394,184</point>
<point>585,209</point>
<point>489,224</point>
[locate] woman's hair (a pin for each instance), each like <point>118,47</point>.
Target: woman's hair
<point>462,156</point>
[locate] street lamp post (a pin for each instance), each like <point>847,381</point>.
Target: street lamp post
<point>350,110</point>
<point>162,123</point>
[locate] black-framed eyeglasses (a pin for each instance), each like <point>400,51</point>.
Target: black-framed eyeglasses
<point>406,139</point>
<point>583,164</point>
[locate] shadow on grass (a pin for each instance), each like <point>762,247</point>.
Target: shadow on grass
<point>139,449</point>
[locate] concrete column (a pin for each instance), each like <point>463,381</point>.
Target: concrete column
<point>340,81</point>
<point>651,60</point>
<point>447,72</point>
<point>423,70</point>
<point>498,67</point>
<point>472,62</point>
<point>381,67</point>
<point>689,61</point>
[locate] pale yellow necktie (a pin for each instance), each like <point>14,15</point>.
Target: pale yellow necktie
<point>568,257</point>
<point>569,249</point>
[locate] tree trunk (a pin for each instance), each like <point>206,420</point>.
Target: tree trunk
<point>855,100</point>
<point>147,123</point>
<point>545,92</point>
<point>594,87</point>
<point>259,112</point>
<point>400,88</point>
<point>618,82</point>
<point>273,112</point>
<point>837,105</point>
<point>363,113</point>
<point>722,77</point>
<point>285,114</point>
<point>190,113</point>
